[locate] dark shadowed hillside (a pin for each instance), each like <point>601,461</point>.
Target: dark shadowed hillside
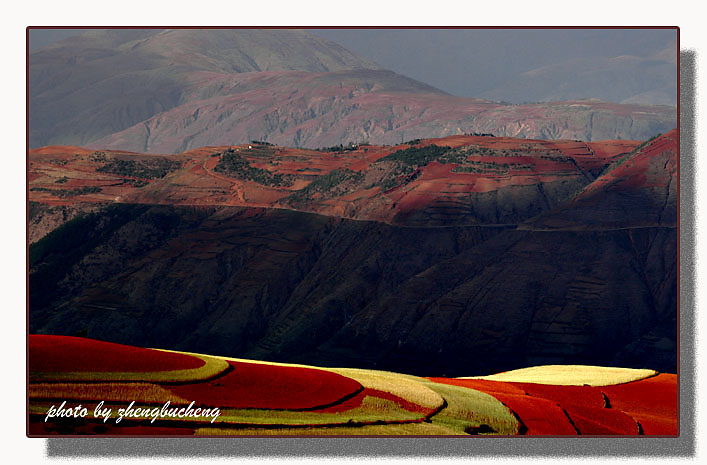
<point>290,286</point>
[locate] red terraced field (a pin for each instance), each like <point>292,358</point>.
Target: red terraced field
<point>604,410</point>
<point>252,385</point>
<point>263,395</point>
<point>483,385</point>
<point>585,396</point>
<point>601,421</point>
<point>540,416</point>
<point>74,354</point>
<point>651,401</point>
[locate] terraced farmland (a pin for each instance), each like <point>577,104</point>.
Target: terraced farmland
<point>242,397</point>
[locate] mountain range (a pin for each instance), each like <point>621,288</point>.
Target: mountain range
<point>167,91</point>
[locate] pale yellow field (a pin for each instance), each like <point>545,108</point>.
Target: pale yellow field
<point>570,375</point>
<point>410,388</point>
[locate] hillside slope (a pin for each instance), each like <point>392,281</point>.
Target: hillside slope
<point>639,189</point>
<point>323,109</point>
<point>440,253</point>
<point>296,287</point>
<point>460,180</point>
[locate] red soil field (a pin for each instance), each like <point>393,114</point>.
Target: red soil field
<point>60,150</point>
<point>540,416</point>
<point>612,148</point>
<point>651,401</point>
<point>74,354</point>
<point>252,385</point>
<point>585,396</point>
<point>483,385</point>
<point>601,421</point>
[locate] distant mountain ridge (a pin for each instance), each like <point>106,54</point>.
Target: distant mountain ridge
<point>103,81</point>
<point>166,91</point>
<point>521,66</point>
<point>623,79</point>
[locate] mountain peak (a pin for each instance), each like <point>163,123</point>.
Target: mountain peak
<point>111,79</point>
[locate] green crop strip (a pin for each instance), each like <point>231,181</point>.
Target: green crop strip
<point>144,169</point>
<point>68,193</point>
<point>232,164</point>
<point>421,156</point>
<point>325,183</point>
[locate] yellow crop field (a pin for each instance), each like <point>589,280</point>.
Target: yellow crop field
<point>410,388</point>
<point>372,409</point>
<point>570,375</point>
<point>469,409</point>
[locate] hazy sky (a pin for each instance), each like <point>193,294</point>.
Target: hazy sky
<point>467,62</point>
<point>476,60</point>
<point>40,37</point>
